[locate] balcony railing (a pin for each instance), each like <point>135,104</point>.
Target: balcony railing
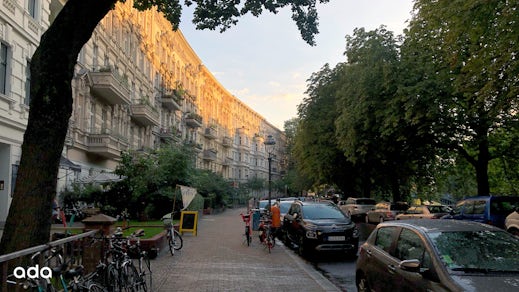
<point>170,134</point>
<point>110,86</point>
<point>145,114</point>
<point>226,142</point>
<point>172,100</point>
<point>105,144</point>
<point>227,161</point>
<point>193,120</point>
<point>210,154</point>
<point>210,133</point>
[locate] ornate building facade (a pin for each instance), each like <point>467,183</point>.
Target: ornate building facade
<point>137,85</point>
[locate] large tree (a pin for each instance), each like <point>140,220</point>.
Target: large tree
<point>315,146</point>
<point>461,79</point>
<point>52,67</point>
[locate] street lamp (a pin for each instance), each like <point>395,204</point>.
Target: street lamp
<point>269,145</point>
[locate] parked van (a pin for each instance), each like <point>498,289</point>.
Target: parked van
<point>490,210</point>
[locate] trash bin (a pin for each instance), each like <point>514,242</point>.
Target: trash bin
<point>256,219</point>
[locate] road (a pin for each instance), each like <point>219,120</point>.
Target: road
<point>341,270</point>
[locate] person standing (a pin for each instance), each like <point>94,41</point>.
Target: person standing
<point>276,219</point>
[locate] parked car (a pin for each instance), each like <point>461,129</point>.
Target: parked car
<point>319,227</point>
<point>485,209</point>
<point>357,207</point>
<point>284,205</point>
<point>424,212</point>
<point>512,222</point>
<point>438,255</point>
<point>385,211</point>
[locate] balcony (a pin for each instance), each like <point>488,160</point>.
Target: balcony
<point>226,142</point>
<point>145,114</point>
<point>109,86</point>
<point>227,161</point>
<point>210,133</point>
<point>210,154</point>
<point>171,100</point>
<point>193,120</point>
<point>105,144</point>
<point>170,134</point>
<point>196,146</point>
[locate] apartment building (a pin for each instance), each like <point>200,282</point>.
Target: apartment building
<point>137,85</point>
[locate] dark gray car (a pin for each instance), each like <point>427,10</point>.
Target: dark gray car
<point>438,255</point>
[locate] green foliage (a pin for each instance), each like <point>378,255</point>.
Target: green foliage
<point>461,84</point>
<point>213,187</point>
<point>196,204</point>
<point>224,14</point>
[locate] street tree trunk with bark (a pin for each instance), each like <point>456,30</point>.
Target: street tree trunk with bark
<point>52,69</point>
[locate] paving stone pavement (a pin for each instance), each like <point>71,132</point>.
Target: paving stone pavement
<point>218,259</point>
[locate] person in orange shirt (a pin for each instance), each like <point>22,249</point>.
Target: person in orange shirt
<point>276,219</point>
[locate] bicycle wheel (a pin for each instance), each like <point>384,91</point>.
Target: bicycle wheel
<point>94,287</point>
<point>113,281</point>
<point>247,235</point>
<point>178,242</point>
<point>130,278</point>
<point>171,245</point>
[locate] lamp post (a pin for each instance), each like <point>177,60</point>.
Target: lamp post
<point>269,144</point>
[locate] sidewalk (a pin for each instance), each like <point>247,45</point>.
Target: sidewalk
<point>218,259</point>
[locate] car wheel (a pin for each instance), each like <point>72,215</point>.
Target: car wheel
<point>381,219</point>
<point>362,284</point>
<point>301,249</point>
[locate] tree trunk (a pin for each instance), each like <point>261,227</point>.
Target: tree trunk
<point>52,68</point>
<point>482,168</point>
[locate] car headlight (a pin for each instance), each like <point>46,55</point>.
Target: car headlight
<point>356,232</point>
<point>311,234</point>
<point>311,230</point>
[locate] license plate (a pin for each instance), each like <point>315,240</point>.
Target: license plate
<point>336,238</point>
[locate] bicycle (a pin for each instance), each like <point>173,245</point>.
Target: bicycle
<point>175,241</point>
<point>266,236</point>
<point>248,228</point>
<point>143,260</point>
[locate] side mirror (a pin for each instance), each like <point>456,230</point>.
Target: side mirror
<point>410,265</point>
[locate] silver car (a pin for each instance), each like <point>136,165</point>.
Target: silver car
<point>357,207</point>
<point>438,255</point>
<point>512,222</point>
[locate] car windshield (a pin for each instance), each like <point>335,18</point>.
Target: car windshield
<point>399,207</point>
<point>365,202</point>
<point>438,209</point>
<point>263,204</point>
<point>284,206</point>
<point>478,251</point>
<point>322,211</point>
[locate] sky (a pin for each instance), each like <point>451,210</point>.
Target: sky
<point>265,63</point>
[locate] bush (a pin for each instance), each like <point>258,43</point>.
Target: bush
<point>197,203</point>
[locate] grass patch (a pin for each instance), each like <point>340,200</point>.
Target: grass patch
<point>149,232</point>
<point>141,223</point>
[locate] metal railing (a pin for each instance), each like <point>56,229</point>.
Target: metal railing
<point>72,247</point>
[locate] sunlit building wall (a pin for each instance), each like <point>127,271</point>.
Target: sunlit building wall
<point>139,84</point>
<point>22,22</point>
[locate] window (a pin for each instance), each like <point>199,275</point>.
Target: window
<point>13,177</point>
<point>4,50</point>
<point>384,237</point>
<point>409,246</point>
<point>27,100</point>
<point>32,8</point>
